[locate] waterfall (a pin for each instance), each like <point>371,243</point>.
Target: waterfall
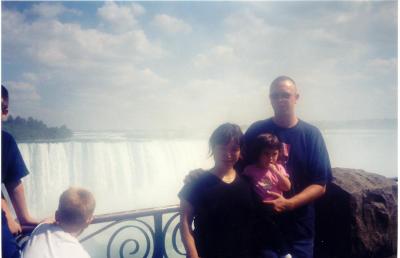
<point>123,175</point>
<point>126,173</point>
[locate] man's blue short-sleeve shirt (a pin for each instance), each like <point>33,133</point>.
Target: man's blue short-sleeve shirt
<point>12,165</point>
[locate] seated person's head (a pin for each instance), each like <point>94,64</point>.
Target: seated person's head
<point>75,209</point>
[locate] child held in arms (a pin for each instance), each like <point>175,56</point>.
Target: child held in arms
<point>59,239</point>
<point>269,178</point>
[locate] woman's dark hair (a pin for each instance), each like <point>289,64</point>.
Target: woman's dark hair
<point>265,141</point>
<point>224,134</point>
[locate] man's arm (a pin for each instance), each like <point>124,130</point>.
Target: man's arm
<point>17,196</point>
<point>319,171</point>
<point>186,229</point>
<point>309,194</point>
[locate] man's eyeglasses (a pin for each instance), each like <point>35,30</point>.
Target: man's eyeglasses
<point>284,95</point>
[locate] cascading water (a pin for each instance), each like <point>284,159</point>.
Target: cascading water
<point>127,172</point>
<point>123,175</point>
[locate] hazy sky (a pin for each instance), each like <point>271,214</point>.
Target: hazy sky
<point>182,65</point>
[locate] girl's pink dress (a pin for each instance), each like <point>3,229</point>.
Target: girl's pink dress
<point>264,180</point>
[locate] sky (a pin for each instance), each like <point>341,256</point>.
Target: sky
<point>195,65</point>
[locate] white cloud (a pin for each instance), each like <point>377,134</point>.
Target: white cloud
<point>219,56</point>
<point>31,77</point>
<point>85,65</point>
<point>121,17</point>
<point>384,64</point>
<point>170,24</point>
<point>118,65</point>
<point>12,18</point>
<point>137,9</point>
<point>57,44</point>
<point>51,10</point>
<point>22,91</point>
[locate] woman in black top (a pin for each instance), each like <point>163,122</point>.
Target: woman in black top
<point>220,202</point>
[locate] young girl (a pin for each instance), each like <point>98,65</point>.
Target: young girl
<point>220,202</point>
<point>266,176</point>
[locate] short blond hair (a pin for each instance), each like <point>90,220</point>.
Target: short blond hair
<point>76,206</point>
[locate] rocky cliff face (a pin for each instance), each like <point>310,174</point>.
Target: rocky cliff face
<point>357,217</point>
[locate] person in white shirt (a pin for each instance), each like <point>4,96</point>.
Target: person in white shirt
<point>59,239</point>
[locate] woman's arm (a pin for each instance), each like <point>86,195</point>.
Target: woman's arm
<point>186,220</point>
<point>284,182</point>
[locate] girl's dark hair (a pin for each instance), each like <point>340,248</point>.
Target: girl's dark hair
<point>265,141</point>
<point>224,134</point>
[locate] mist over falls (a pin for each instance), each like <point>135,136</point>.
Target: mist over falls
<point>126,173</point>
<point>122,175</point>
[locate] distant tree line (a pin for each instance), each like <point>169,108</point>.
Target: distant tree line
<point>31,129</point>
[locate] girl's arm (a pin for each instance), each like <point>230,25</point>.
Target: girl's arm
<point>284,182</point>
<point>186,220</point>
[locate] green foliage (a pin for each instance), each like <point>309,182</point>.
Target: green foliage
<point>31,130</point>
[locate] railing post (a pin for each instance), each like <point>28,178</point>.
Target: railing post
<point>158,236</point>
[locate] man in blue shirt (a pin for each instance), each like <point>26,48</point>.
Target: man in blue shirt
<point>12,170</point>
<point>307,164</point>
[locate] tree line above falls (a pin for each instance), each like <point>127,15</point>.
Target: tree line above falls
<point>32,130</point>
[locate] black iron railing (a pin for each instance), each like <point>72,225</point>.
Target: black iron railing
<point>153,233</point>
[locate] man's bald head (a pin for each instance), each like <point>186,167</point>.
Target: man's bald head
<point>283,96</point>
<point>283,78</point>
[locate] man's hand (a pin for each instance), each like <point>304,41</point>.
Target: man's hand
<point>193,175</point>
<point>280,204</point>
<point>308,195</point>
<point>15,227</point>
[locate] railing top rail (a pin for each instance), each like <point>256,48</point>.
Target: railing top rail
<point>125,215</point>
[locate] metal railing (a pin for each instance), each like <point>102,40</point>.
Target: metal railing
<point>155,226</point>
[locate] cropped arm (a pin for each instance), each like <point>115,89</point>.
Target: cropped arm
<point>14,227</point>
<point>186,219</point>
<point>17,196</point>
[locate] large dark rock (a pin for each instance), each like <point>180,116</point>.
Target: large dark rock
<point>357,217</point>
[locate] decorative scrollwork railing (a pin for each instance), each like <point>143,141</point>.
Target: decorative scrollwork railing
<point>157,228</point>
<point>149,224</point>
